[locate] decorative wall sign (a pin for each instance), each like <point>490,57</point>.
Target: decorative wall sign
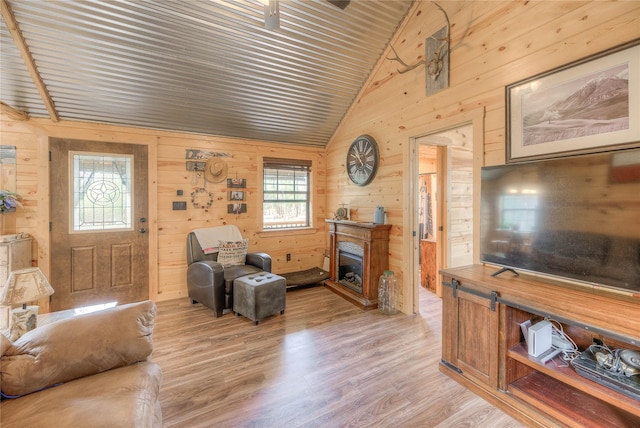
<point>195,166</point>
<point>204,154</point>
<point>179,205</point>
<point>236,183</point>
<point>586,106</point>
<point>236,208</point>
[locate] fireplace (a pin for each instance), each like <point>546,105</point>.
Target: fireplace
<point>350,271</point>
<point>358,256</point>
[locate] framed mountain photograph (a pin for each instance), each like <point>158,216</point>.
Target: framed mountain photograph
<point>587,106</point>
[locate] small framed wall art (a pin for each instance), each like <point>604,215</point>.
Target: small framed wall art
<point>236,195</point>
<point>236,208</point>
<point>236,183</point>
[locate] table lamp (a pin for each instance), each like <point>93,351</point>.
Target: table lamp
<point>24,286</point>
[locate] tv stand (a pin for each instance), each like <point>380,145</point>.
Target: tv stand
<point>505,269</point>
<point>483,347</point>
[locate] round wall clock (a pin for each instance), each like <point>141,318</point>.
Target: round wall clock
<point>362,160</point>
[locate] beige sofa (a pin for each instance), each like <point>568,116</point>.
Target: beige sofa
<point>90,370</point>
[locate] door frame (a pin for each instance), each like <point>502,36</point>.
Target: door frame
<point>44,186</point>
<point>411,243</point>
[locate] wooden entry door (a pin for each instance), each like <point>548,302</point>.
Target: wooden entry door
<point>99,244</point>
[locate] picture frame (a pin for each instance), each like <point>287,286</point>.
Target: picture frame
<point>236,183</point>
<point>236,208</point>
<point>236,195</point>
<point>586,106</point>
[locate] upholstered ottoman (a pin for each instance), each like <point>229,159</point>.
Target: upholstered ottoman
<point>259,295</point>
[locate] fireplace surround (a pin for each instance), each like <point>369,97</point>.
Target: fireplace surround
<point>358,256</point>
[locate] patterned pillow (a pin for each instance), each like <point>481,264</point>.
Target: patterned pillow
<point>232,253</point>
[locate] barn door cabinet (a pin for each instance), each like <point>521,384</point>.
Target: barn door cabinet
<point>470,323</point>
<point>483,347</point>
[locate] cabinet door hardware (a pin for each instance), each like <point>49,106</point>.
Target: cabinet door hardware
<point>455,286</point>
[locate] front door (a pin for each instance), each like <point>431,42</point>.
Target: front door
<point>99,244</point>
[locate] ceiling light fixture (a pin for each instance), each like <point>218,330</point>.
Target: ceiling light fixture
<point>271,14</point>
<point>340,3</point>
<point>272,11</point>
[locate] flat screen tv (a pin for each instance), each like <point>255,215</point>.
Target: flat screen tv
<point>577,218</point>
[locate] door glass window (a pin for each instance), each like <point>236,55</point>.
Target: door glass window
<point>102,191</point>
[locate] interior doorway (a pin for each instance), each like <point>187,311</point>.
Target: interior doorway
<point>428,216</point>
<point>445,203</point>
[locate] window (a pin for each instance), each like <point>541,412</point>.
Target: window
<point>286,193</point>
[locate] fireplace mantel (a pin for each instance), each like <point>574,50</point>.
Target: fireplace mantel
<point>373,239</point>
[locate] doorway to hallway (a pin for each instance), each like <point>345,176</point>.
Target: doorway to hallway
<point>444,203</point>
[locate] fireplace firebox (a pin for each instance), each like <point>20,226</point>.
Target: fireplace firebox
<point>350,271</point>
<point>358,256</point>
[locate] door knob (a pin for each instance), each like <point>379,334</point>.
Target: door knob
<point>142,230</point>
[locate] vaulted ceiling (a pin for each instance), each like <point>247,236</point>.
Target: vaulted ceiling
<point>201,66</point>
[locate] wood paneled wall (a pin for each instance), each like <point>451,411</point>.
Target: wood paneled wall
<point>493,44</point>
<point>168,228</point>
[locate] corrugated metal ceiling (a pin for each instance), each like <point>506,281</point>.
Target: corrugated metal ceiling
<point>205,66</point>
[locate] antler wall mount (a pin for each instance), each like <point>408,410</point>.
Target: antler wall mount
<point>407,67</point>
<point>436,58</point>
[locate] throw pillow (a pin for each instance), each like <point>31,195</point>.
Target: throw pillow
<point>232,253</point>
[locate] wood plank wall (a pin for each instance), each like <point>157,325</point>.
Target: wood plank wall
<point>168,228</point>
<point>493,44</point>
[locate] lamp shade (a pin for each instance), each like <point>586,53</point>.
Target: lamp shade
<point>25,285</point>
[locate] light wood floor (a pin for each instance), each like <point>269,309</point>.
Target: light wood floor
<point>324,363</point>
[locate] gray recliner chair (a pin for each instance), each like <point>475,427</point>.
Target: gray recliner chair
<point>210,283</point>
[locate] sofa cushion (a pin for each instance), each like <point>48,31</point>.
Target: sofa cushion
<point>76,347</point>
<point>123,397</point>
<point>233,272</point>
<point>5,344</point>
